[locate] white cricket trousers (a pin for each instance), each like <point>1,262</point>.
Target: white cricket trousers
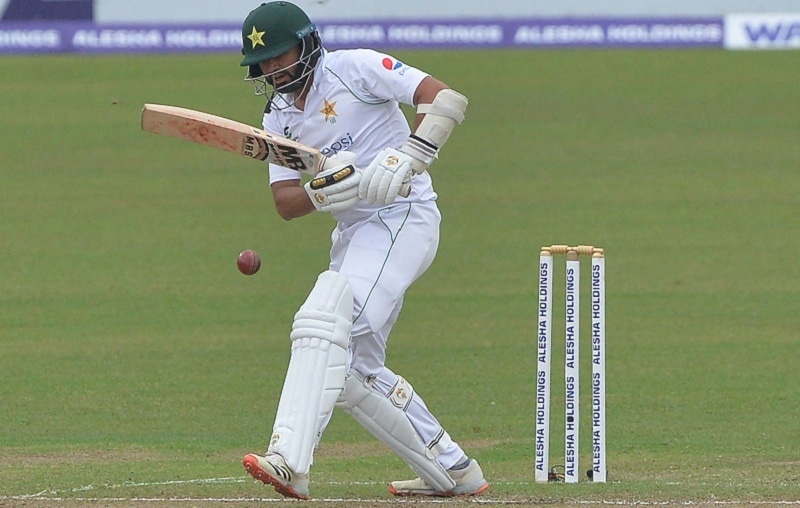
<point>381,257</point>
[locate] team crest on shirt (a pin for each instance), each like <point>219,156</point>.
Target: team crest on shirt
<point>329,111</point>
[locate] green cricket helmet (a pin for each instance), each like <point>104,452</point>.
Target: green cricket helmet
<point>273,29</point>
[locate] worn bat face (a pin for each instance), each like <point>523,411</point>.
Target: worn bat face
<point>231,136</point>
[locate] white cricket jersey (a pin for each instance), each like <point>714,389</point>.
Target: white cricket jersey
<point>353,105</point>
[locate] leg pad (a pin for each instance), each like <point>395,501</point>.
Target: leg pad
<point>315,377</point>
<point>385,418</point>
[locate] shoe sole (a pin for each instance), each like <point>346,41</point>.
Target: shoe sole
<point>483,488</point>
<point>250,464</point>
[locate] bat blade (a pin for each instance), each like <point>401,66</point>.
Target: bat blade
<point>231,136</point>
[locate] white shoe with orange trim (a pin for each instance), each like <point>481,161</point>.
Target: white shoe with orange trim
<point>273,470</point>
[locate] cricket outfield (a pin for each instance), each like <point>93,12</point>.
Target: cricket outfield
<point>138,366</point>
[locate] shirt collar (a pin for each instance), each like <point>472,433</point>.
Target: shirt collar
<point>319,69</point>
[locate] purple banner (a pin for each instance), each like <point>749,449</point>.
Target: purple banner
<point>85,37</point>
<point>567,32</point>
<point>38,10</point>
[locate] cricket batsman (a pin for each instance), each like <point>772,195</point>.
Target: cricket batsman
<point>346,104</point>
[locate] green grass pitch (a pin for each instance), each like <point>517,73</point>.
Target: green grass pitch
<point>137,366</point>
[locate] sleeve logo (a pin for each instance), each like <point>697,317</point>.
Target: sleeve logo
<point>391,65</point>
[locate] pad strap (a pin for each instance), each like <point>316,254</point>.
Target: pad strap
<point>456,114</point>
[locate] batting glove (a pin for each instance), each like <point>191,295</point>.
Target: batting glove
<point>388,175</point>
<point>335,189</point>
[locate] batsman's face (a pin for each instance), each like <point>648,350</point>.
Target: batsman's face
<point>280,70</point>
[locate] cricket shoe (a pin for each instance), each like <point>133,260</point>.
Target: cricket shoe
<point>273,470</point>
<point>469,482</point>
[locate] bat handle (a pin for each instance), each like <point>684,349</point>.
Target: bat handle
<point>326,163</point>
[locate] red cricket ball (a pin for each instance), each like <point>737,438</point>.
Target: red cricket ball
<point>249,262</point>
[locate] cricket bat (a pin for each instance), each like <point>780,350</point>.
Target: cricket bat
<point>232,136</point>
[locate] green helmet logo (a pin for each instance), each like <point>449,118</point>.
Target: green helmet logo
<point>273,29</point>
<point>256,38</point>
